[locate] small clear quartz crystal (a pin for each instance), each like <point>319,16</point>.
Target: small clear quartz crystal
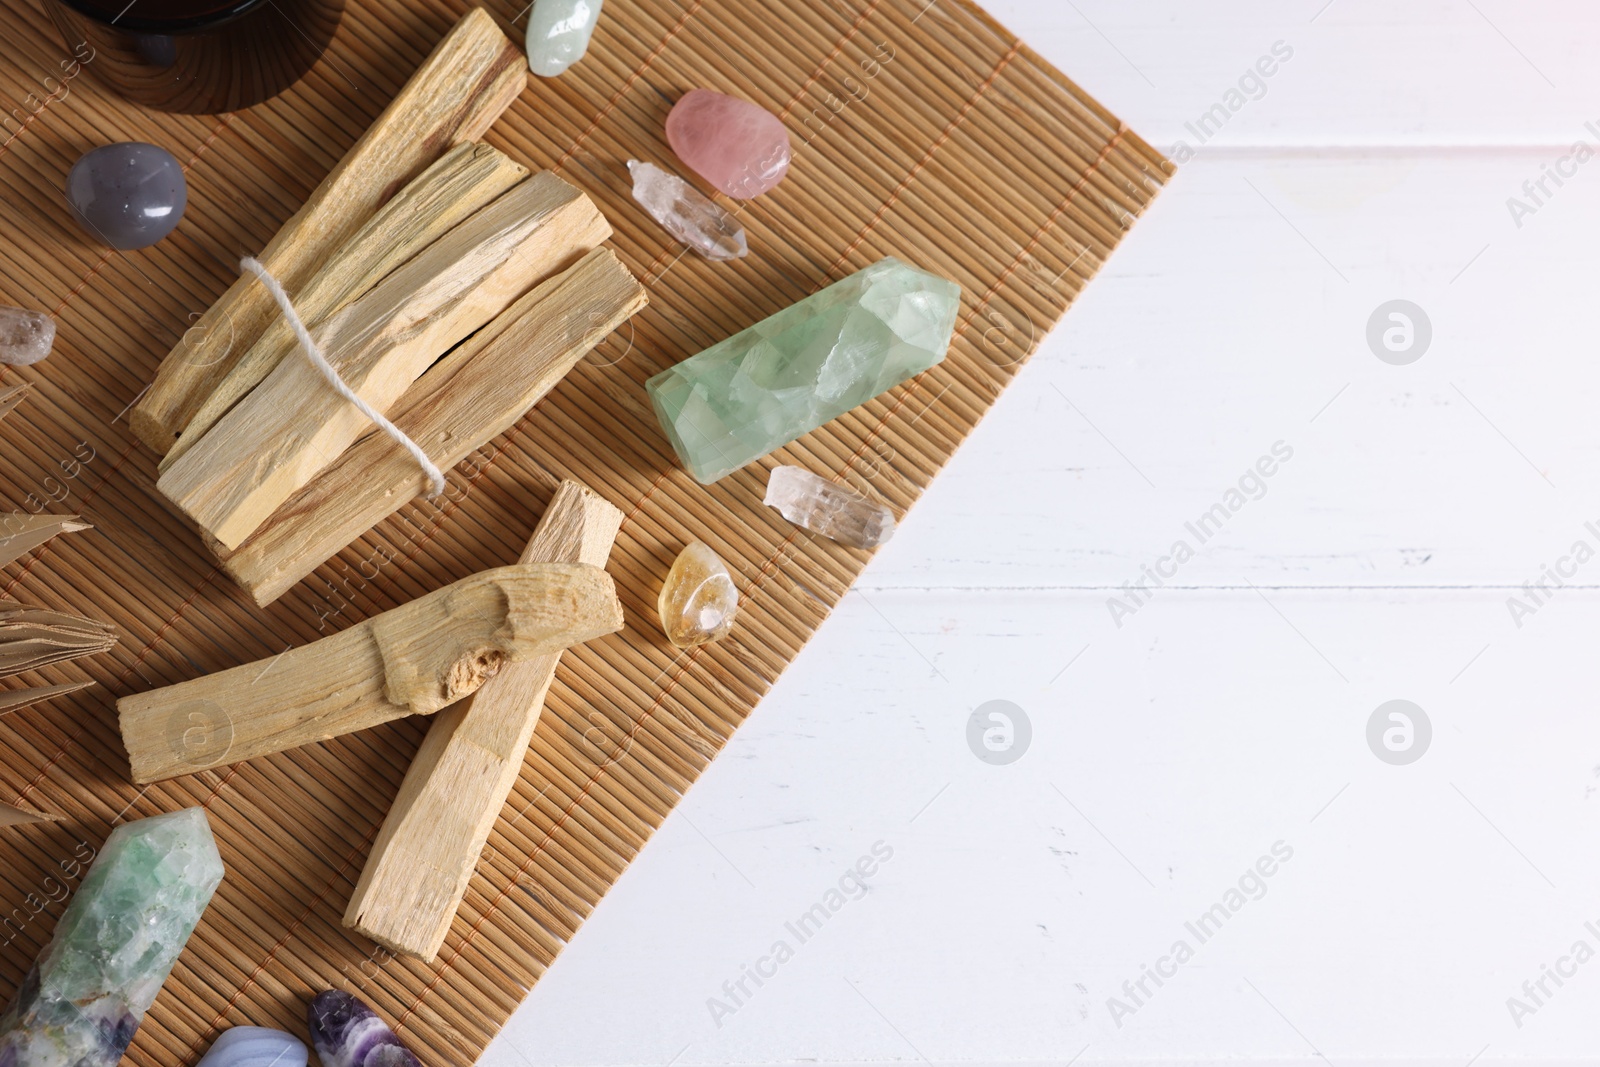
<point>25,336</point>
<point>698,600</point>
<point>828,509</point>
<point>687,214</point>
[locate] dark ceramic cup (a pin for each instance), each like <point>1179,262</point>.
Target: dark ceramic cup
<point>196,56</point>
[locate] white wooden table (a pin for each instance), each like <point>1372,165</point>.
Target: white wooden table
<point>1228,714</point>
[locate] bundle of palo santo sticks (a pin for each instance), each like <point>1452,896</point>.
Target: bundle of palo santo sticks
<point>448,288</point>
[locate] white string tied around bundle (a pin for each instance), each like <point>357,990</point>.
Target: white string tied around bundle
<point>319,361</point>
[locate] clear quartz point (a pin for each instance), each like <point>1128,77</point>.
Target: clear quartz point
<point>688,214</point>
<point>828,509</point>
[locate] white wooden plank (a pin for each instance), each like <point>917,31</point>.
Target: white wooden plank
<point>1235,317</point>
<point>1364,72</point>
<point>1164,762</point>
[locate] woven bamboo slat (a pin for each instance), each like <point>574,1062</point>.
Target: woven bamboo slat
<point>922,130</point>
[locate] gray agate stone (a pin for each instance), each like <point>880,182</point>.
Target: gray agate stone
<point>255,1046</point>
<point>127,195</point>
<point>347,1033</point>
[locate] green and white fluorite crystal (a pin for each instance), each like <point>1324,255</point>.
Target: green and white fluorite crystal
<point>115,945</point>
<point>804,366</point>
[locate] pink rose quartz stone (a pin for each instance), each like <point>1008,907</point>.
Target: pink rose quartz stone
<point>739,147</point>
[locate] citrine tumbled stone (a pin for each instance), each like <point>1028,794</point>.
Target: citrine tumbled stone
<point>698,600</point>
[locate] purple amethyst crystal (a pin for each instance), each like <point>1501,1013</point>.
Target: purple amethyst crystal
<point>347,1033</point>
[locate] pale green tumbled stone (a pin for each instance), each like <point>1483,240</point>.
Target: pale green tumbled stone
<point>115,945</point>
<point>804,366</point>
<point>558,34</point>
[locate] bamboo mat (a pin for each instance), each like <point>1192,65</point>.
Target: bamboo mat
<point>922,130</point>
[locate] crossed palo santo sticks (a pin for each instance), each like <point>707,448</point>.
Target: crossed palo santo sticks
<point>419,867</point>
<point>493,639</point>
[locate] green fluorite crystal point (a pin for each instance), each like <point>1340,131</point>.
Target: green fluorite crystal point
<point>804,366</point>
<point>115,945</point>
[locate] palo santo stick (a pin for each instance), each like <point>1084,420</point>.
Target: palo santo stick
<point>461,88</point>
<point>475,393</point>
<point>467,178</point>
<point>294,424</point>
<point>411,660</point>
<point>14,816</point>
<point>31,638</point>
<point>458,783</point>
<point>17,699</point>
<point>21,534</point>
